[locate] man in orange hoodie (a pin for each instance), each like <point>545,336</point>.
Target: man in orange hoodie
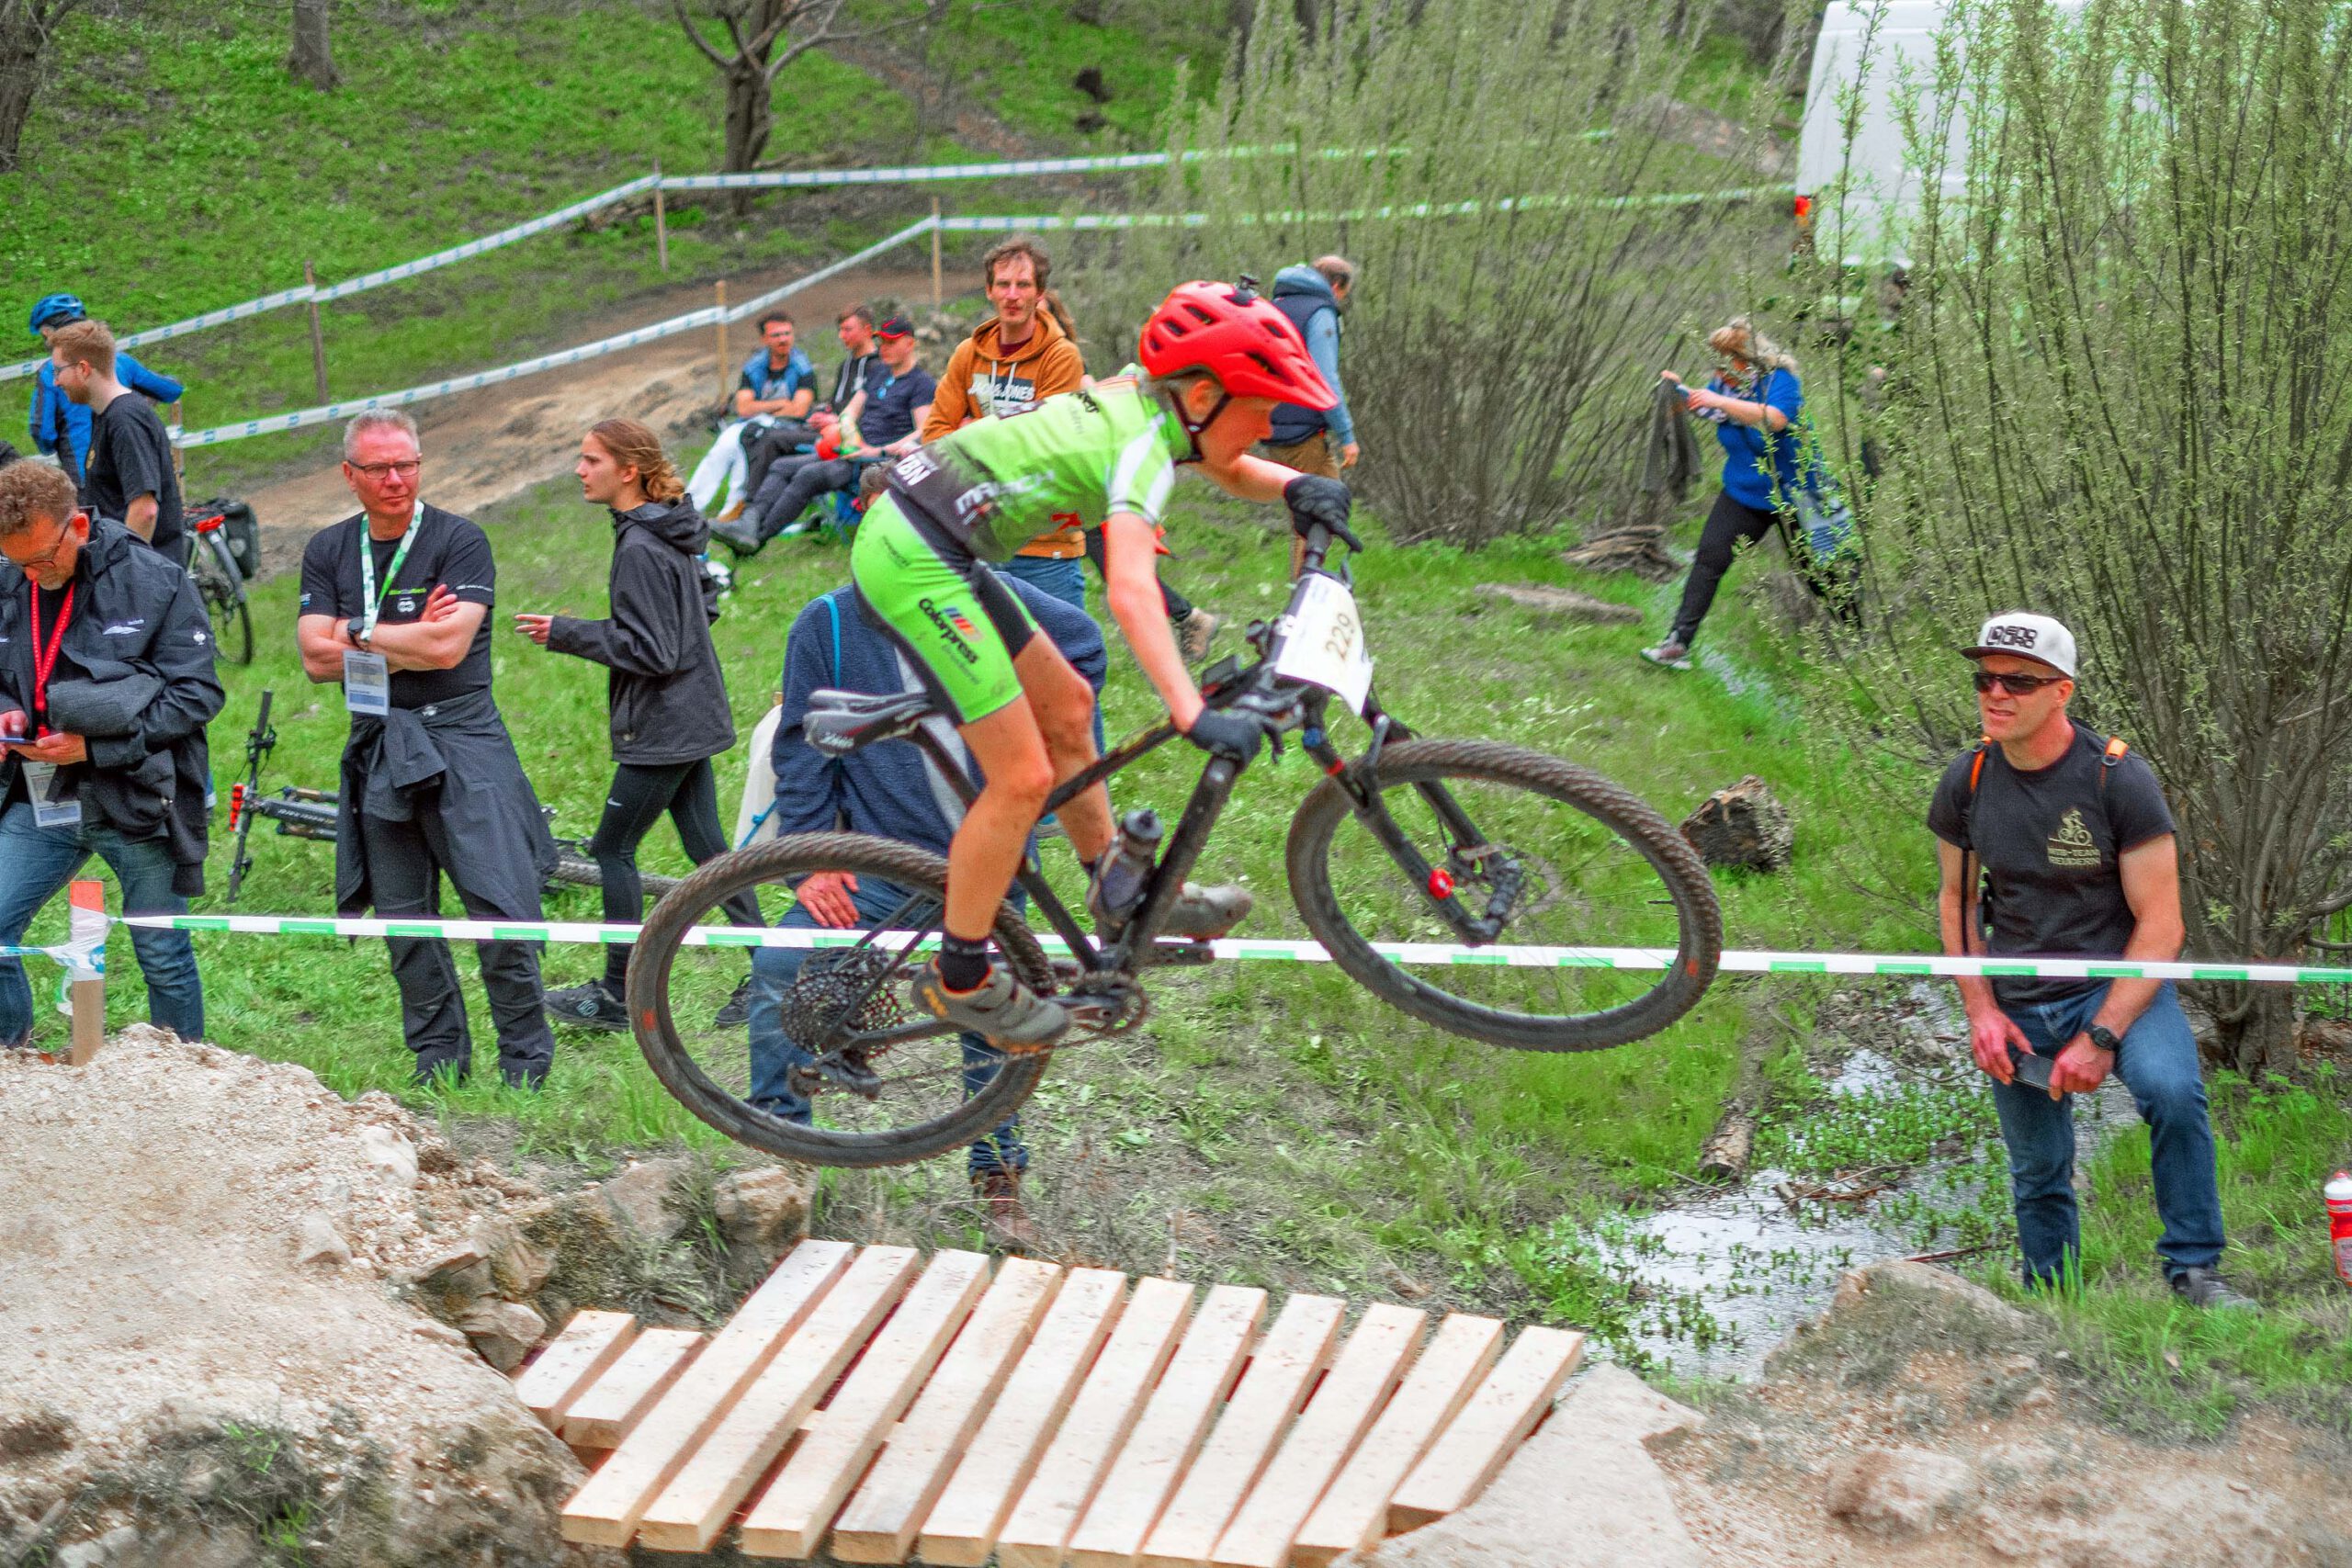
<point>1020,355</point>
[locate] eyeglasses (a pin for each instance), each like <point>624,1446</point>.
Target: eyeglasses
<point>48,557</point>
<point>376,471</point>
<point>2016,685</point>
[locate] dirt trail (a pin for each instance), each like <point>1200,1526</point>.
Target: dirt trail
<point>484,447</point>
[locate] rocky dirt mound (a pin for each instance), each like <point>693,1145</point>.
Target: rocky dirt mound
<point>242,1320</point>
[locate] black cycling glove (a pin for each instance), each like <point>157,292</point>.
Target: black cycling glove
<point>1312,499</point>
<point>1227,732</point>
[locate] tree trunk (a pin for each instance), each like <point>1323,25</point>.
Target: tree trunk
<point>312,59</point>
<point>22,37</point>
<point>748,123</point>
<point>2263,1042</point>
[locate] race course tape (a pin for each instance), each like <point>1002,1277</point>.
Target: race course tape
<point>709,315</point>
<point>1419,953</point>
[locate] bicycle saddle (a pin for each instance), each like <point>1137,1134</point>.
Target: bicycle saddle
<point>838,723</point>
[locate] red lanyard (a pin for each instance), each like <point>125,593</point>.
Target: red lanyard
<point>45,663</point>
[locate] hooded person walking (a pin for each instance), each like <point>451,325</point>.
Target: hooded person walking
<point>668,699</point>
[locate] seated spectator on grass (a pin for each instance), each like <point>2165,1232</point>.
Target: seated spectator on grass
<point>106,686</point>
<point>668,700</point>
<point>790,442</point>
<point>128,473</point>
<point>59,426</point>
<point>891,790</point>
<point>880,421</point>
<point>777,387</point>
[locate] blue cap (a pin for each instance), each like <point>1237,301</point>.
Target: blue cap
<point>55,309</point>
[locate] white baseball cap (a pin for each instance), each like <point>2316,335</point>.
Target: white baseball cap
<point>2028,637</point>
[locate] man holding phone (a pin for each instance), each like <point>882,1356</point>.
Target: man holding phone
<point>2077,846</point>
<point>106,686</point>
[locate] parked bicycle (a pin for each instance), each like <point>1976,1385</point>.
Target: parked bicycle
<point>226,554</point>
<point>1490,849</point>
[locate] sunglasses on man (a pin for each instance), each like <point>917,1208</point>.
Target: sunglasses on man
<point>2016,685</point>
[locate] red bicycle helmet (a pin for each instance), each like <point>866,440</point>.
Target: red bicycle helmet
<point>1241,340</point>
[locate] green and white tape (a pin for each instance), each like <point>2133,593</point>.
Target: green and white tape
<point>1419,954</point>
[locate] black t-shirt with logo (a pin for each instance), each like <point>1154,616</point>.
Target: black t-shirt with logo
<point>2051,841</point>
<point>130,454</point>
<point>449,549</point>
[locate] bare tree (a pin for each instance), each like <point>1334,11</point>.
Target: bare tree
<point>25,29</point>
<point>761,37</point>
<point>312,59</point>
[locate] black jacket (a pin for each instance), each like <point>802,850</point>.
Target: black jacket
<point>134,613</point>
<point>669,701</point>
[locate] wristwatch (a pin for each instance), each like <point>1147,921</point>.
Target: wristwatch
<point>2104,1038</point>
<point>357,627</point>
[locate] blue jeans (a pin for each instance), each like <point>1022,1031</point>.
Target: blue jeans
<point>2158,1065</point>
<point>35,863</point>
<point>773,1055</point>
<point>1062,580</point>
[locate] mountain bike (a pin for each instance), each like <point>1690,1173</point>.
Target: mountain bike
<point>1460,882</point>
<point>221,581</point>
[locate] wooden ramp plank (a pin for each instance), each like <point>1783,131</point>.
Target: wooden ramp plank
<point>1505,1409</point>
<point>700,1499</point>
<point>791,1517</point>
<point>961,1529</point>
<point>1269,1394</point>
<point>1366,1372</point>
<point>588,1343</point>
<point>883,1516</point>
<point>1354,1512</point>
<point>605,1511</point>
<point>1037,1535</point>
<point>610,1408</point>
<point>1155,1456</point>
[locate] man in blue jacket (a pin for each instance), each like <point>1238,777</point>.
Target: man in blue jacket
<point>892,791</point>
<point>1312,440</point>
<point>62,426</point>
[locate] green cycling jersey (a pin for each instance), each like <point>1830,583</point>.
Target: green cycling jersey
<point>1075,456</point>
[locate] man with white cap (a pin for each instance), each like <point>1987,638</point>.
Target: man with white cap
<point>2079,860</point>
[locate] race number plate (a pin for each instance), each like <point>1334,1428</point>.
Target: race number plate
<point>1324,644</point>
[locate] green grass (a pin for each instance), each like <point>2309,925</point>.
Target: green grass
<point>452,120</point>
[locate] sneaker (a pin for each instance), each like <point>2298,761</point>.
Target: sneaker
<point>1199,912</point>
<point>743,540</point>
<point>1002,1216</point>
<point>794,528</point>
<point>1002,1011</point>
<point>1193,633</point>
<point>588,1006</point>
<point>1673,653</point>
<point>2205,1288</point>
<point>738,1010</point>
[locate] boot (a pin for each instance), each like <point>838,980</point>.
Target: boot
<point>1007,1223</point>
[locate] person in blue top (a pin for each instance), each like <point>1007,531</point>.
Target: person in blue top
<point>894,792</point>
<point>778,386</point>
<point>1315,440</point>
<point>61,427</point>
<point>1756,403</point>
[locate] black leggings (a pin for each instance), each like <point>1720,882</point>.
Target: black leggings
<point>1727,526</point>
<point>1178,606</point>
<point>639,794</point>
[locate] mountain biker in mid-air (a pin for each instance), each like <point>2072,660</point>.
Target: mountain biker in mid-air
<point>1216,359</point>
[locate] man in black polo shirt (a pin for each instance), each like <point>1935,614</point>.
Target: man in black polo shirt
<point>395,606</point>
<point>128,475</point>
<point>884,416</point>
<point>2072,831</point>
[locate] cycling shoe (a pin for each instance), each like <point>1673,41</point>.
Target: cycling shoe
<point>1199,912</point>
<point>1002,1011</point>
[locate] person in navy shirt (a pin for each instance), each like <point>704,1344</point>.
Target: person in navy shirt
<point>884,416</point>
<point>1756,403</point>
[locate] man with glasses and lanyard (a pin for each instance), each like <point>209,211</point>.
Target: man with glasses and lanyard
<point>395,606</point>
<point>106,686</point>
<point>2079,857</point>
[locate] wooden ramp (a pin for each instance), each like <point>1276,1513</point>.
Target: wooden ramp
<point>893,1408</point>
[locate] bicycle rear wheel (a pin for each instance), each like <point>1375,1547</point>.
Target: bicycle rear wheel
<point>1565,858</point>
<point>797,1082</point>
<point>223,588</point>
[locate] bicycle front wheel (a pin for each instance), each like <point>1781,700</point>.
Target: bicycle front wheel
<point>814,1055</point>
<point>223,587</point>
<point>1560,858</point>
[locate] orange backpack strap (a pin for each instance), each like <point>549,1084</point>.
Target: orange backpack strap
<point>2116,747</point>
